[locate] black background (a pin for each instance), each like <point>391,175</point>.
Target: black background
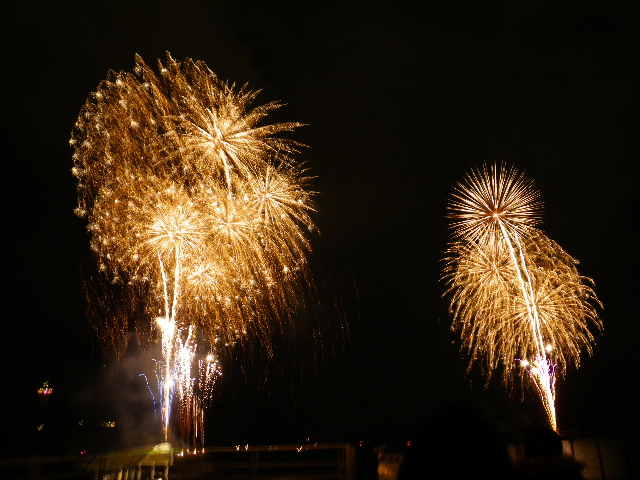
<point>399,103</point>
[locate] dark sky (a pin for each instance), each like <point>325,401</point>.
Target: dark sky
<point>399,103</point>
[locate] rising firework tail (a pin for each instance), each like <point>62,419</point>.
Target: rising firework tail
<point>517,299</point>
<point>197,210</point>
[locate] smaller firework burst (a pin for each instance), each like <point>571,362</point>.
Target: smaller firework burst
<point>515,293</point>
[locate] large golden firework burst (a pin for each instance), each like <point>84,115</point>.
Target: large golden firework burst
<point>516,295</point>
<point>194,206</point>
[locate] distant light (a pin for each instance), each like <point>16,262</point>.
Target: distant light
<point>45,389</point>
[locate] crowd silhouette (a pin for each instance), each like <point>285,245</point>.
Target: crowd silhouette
<point>459,443</point>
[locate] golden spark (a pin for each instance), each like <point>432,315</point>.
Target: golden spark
<point>196,208</point>
<point>515,293</point>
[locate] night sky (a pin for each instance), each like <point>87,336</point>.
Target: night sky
<point>398,104</point>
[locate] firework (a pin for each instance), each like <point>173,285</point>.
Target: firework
<point>515,293</point>
<point>196,210</point>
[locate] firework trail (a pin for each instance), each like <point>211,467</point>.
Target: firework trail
<point>197,212</point>
<point>515,293</point>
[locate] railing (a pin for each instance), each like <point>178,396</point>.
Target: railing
<point>309,462</point>
<point>281,462</point>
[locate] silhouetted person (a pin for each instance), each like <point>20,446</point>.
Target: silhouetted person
<point>544,459</point>
<point>456,444</point>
